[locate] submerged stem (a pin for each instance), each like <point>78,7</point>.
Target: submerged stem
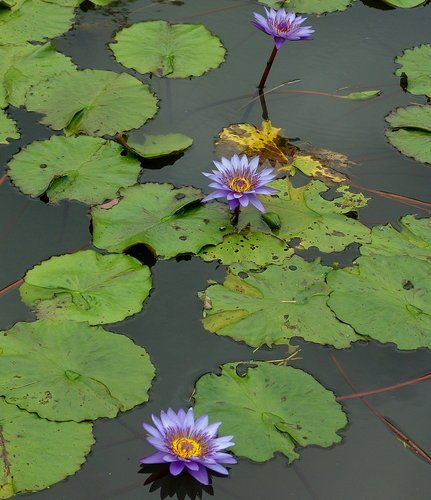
<point>267,68</point>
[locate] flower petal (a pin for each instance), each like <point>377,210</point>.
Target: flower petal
<point>152,431</point>
<point>156,458</point>
<point>217,468</point>
<point>176,468</point>
<point>212,196</point>
<point>257,203</point>
<point>200,475</point>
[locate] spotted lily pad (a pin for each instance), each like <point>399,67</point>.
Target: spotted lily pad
<point>171,50</point>
<point>270,409</point>
<point>416,64</point>
<point>25,65</point>
<point>258,248</point>
<point>34,20</point>
<point>87,286</point>
<point>272,305</point>
<point>83,372</point>
<point>303,213</point>
<point>8,128</point>
<point>308,6</point>
<point>92,102</point>
<point>154,146</point>
<point>169,220</point>
<point>37,453</point>
<point>386,298</point>
<point>412,131</point>
<point>81,168</point>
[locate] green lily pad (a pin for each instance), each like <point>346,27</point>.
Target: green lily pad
<point>83,372</point>
<point>414,239</point>
<point>8,129</point>
<point>171,50</point>
<point>416,64</point>
<point>308,6</point>
<point>155,146</point>
<point>413,131</point>
<point>87,286</point>
<point>273,305</point>
<point>92,102</point>
<point>36,453</point>
<point>270,409</point>
<point>34,20</point>
<point>22,66</point>
<point>82,168</point>
<point>303,213</point>
<point>358,96</point>
<point>405,4</point>
<point>386,298</point>
<point>257,248</point>
<point>169,220</point>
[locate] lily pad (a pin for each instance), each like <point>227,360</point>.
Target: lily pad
<point>154,146</point>
<point>413,131</point>
<point>414,239</point>
<point>8,129</point>
<point>314,168</point>
<point>22,66</point>
<point>87,286</point>
<point>171,50</point>
<point>416,64</point>
<point>36,453</point>
<point>169,220</point>
<point>34,20</point>
<point>270,409</point>
<point>272,305</point>
<point>92,102</point>
<point>257,248</point>
<point>83,372</point>
<point>359,96</point>
<point>82,168</point>
<point>405,4</point>
<point>303,213</point>
<point>308,6</point>
<point>386,298</point>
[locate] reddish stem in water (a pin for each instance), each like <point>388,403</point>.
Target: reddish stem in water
<point>267,68</point>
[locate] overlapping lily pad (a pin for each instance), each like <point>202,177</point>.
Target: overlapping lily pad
<point>303,213</point>
<point>257,248</point>
<point>8,129</point>
<point>34,20</point>
<point>308,6</point>
<point>154,146</point>
<point>169,220</point>
<point>270,409</point>
<point>81,168</point>
<point>416,64</point>
<point>87,286</point>
<point>22,66</point>
<point>92,102</point>
<point>386,298</point>
<point>36,453</point>
<point>83,372</point>
<point>270,306</point>
<point>412,134</point>
<point>171,50</point>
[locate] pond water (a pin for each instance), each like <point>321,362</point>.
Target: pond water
<point>353,49</point>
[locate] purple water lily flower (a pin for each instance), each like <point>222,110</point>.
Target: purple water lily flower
<point>282,26</point>
<point>188,444</point>
<point>239,182</point>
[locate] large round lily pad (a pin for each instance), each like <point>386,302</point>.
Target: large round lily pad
<point>25,65</point>
<point>87,286</point>
<point>404,4</point>
<point>36,453</point>
<point>8,129</point>
<point>412,134</point>
<point>273,305</point>
<point>169,220</point>
<point>386,298</point>
<point>65,370</point>
<point>34,20</point>
<point>270,409</point>
<point>302,213</point>
<point>308,6</point>
<point>416,64</point>
<point>82,168</point>
<point>171,50</point>
<point>92,102</point>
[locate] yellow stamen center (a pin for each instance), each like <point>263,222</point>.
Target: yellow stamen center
<point>186,447</point>
<point>239,184</point>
